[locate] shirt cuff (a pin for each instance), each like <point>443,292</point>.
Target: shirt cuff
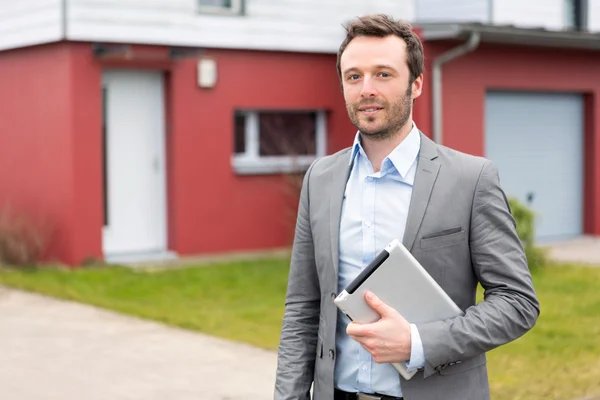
<point>417,355</point>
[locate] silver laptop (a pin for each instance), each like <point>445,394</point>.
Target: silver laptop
<point>400,281</point>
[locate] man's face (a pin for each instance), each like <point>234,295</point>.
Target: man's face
<point>375,79</point>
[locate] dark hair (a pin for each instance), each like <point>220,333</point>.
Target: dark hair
<point>380,25</point>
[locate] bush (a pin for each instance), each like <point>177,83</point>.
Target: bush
<point>525,220</point>
<point>22,241</point>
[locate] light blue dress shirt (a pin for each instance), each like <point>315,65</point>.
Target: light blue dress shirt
<point>374,212</point>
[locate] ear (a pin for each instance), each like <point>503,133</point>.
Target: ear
<point>417,87</point>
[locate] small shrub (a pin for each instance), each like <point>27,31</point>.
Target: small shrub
<point>22,240</point>
<point>525,220</point>
<point>92,262</point>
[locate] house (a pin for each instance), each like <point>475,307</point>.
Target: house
<point>151,130</point>
<point>519,82</point>
<point>144,130</point>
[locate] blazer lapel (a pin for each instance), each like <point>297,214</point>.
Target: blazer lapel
<point>339,176</point>
<point>427,171</point>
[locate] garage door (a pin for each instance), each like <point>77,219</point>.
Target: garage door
<point>536,141</point>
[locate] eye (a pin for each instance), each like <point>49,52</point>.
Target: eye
<point>353,77</point>
<point>384,74</point>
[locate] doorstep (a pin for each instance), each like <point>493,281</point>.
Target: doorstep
<point>133,259</point>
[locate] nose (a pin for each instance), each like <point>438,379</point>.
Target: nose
<point>368,88</point>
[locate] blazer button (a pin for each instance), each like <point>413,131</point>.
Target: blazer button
<point>331,354</point>
<point>333,296</point>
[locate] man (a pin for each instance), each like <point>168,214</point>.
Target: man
<point>446,207</point>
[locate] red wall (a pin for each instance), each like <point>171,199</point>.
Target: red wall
<point>50,134</point>
<point>51,160</point>
<point>466,79</point>
<point>36,168</point>
<point>86,125</point>
<point>213,209</point>
<point>50,141</point>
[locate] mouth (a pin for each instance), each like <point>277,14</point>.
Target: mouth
<point>370,110</point>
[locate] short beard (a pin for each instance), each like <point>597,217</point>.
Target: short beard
<point>397,117</point>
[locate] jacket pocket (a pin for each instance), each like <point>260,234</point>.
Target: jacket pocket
<point>442,233</point>
<point>444,238</point>
<point>319,347</point>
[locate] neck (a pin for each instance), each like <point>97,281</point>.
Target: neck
<point>378,150</point>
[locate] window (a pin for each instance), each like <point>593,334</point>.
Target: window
<point>220,6</point>
<point>277,141</point>
<point>575,14</point>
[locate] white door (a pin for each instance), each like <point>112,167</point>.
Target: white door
<point>536,140</point>
<point>134,143</point>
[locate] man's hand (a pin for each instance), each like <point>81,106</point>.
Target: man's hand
<point>388,340</point>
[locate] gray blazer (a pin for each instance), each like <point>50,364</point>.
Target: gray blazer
<point>461,230</point>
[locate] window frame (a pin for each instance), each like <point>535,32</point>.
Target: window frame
<point>237,8</point>
<point>251,162</point>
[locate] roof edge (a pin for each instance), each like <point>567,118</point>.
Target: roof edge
<point>509,34</point>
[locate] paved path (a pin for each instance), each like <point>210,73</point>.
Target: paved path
<point>583,250</point>
<point>52,349</point>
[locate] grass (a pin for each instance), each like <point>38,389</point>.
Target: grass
<point>559,358</point>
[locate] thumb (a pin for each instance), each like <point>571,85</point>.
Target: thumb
<point>378,305</point>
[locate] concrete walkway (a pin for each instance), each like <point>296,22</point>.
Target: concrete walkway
<point>583,250</point>
<point>52,349</point>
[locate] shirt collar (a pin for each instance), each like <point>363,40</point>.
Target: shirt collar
<point>402,157</point>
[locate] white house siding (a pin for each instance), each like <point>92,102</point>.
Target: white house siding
<point>548,14</point>
<point>594,15</point>
<point>452,10</point>
<point>293,25</point>
<point>288,25</point>
<point>29,22</point>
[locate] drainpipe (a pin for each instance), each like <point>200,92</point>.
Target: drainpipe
<point>64,17</point>
<point>470,45</point>
<point>490,11</point>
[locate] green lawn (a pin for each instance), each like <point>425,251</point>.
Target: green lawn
<point>559,358</point>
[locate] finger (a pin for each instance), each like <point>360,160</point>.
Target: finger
<point>378,305</point>
<point>356,330</point>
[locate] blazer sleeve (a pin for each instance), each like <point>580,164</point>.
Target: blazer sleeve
<point>299,334</point>
<point>510,307</point>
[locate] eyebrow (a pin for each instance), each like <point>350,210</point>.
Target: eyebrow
<point>379,66</point>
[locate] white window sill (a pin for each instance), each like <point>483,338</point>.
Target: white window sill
<point>270,165</point>
<point>218,11</point>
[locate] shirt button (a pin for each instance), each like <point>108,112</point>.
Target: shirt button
<point>364,367</point>
<point>370,178</point>
<point>368,224</point>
